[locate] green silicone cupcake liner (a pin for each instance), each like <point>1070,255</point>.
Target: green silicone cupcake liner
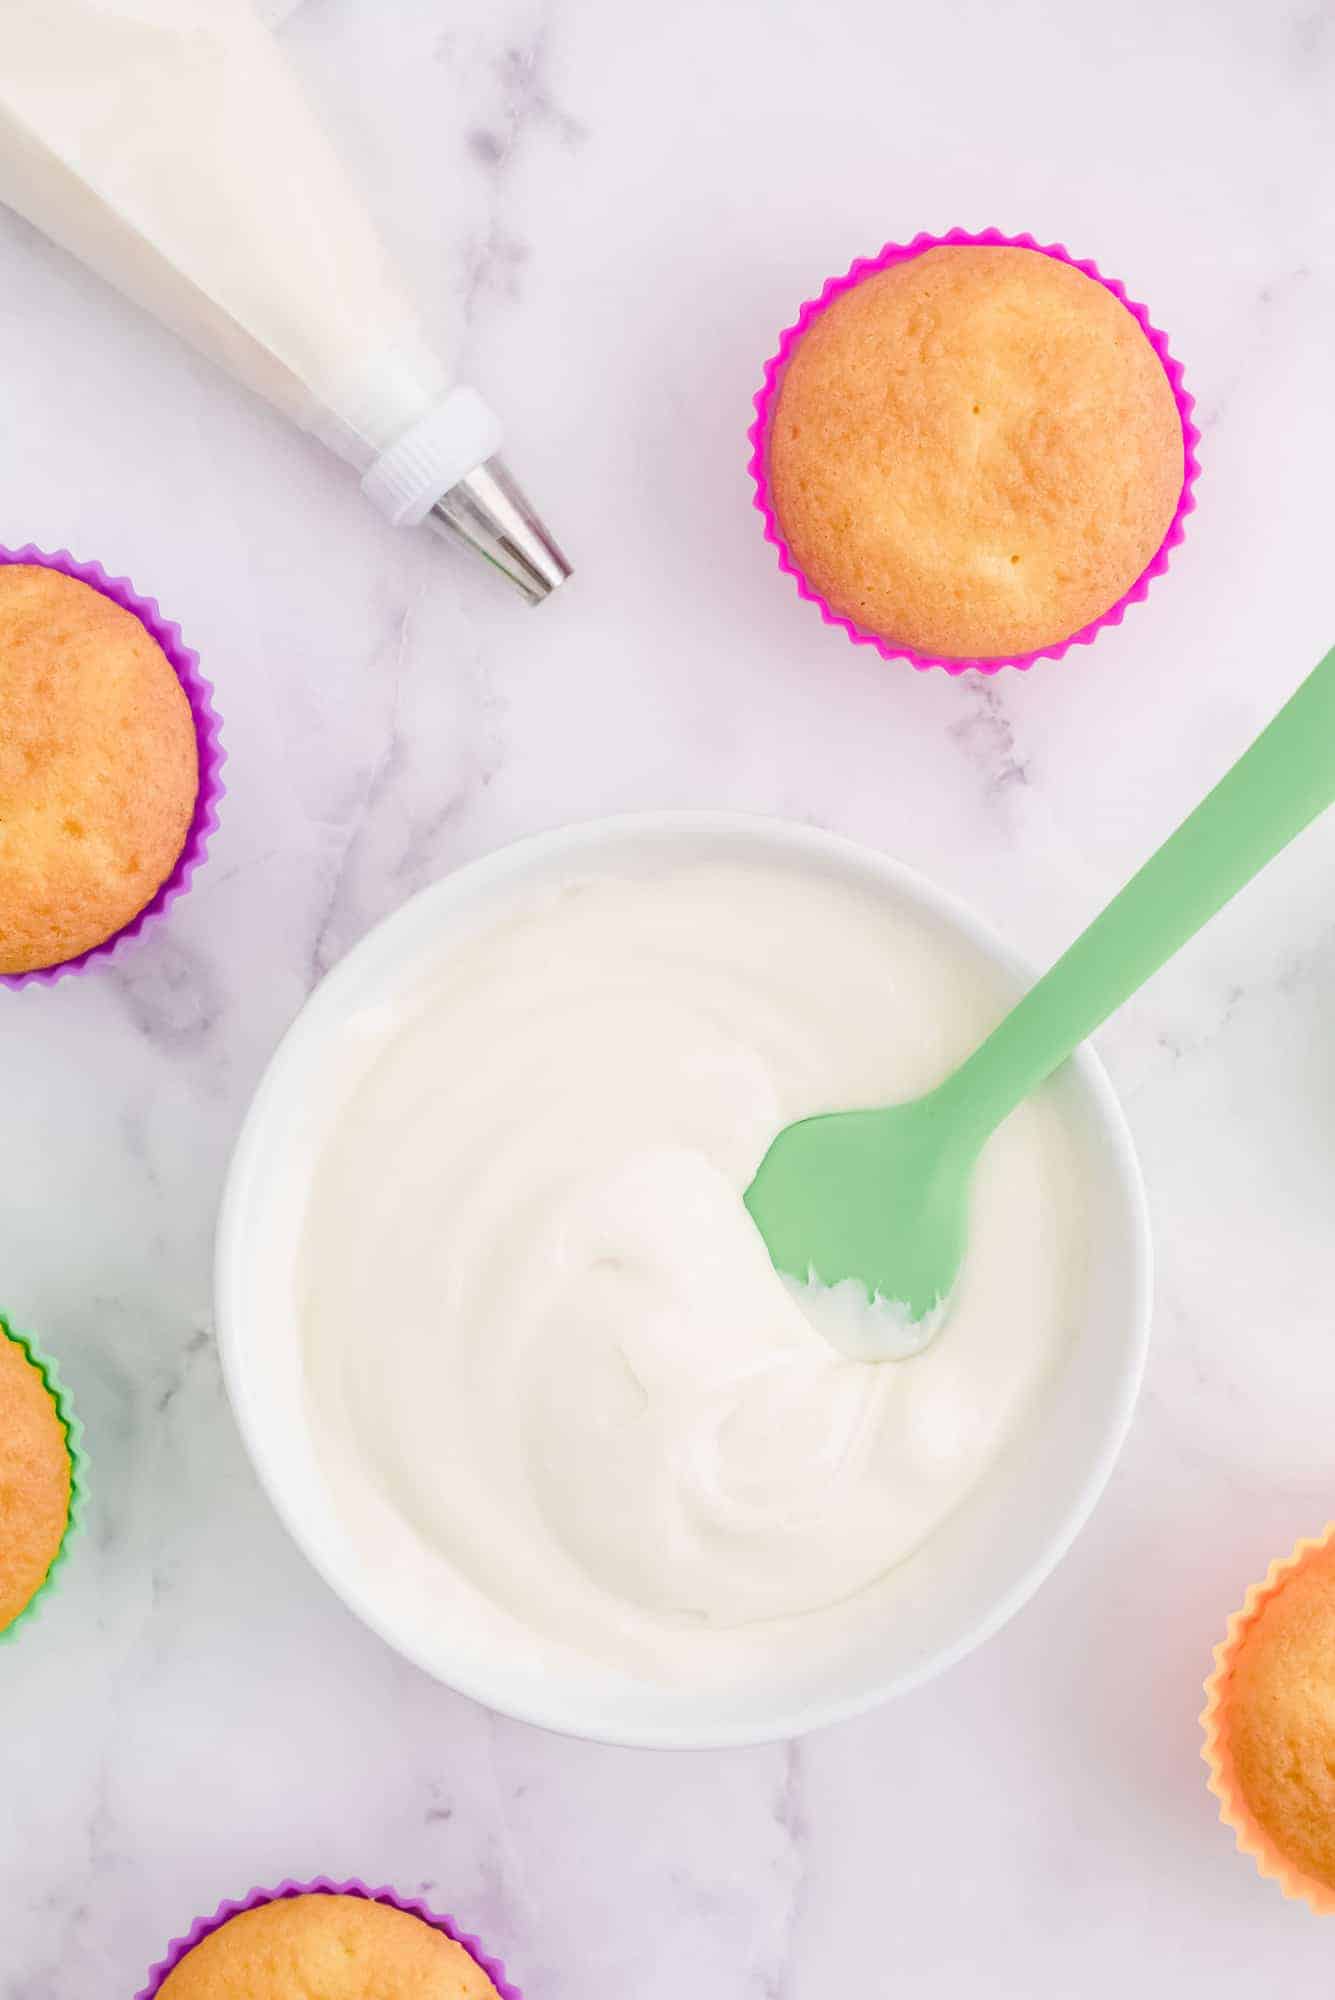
<point>46,1368</point>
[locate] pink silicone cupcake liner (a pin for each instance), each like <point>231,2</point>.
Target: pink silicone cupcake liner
<point>322,1886</point>
<point>211,754</point>
<point>865,267</point>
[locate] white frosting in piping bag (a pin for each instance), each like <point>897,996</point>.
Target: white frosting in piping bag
<point>167,145</point>
<point>551,1372</point>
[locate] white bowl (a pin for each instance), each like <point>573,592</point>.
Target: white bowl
<point>971,1575</point>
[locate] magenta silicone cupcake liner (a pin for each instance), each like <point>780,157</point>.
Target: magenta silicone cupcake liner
<point>211,754</point>
<point>322,1886</point>
<point>896,253</point>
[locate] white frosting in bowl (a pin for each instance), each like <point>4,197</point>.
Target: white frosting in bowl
<point>558,1394</point>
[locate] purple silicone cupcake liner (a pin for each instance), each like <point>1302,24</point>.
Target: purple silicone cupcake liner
<point>211,754</point>
<point>322,1886</point>
<point>896,253</point>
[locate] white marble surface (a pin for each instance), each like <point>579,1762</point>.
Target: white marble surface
<point>628,202</point>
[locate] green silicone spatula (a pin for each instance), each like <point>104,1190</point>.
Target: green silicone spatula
<point>881,1197</point>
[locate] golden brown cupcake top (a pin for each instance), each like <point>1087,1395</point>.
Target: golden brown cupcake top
<point>34,1480</point>
<point>975,452</point>
<point>327,1948</point>
<point>99,767</point>
<point>1281,1716</point>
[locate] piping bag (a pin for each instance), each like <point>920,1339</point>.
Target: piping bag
<point>167,145</point>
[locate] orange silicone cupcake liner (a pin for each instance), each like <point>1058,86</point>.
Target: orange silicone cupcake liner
<point>1234,1811</point>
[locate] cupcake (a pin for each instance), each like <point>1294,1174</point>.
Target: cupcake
<point>972,453</point>
<point>100,762</point>
<point>38,1475</point>
<point>326,1942</point>
<point>1270,1724</point>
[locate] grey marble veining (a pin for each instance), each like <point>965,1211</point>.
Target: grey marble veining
<point>619,207</point>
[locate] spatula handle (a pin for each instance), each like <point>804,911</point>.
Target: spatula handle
<point>1273,791</point>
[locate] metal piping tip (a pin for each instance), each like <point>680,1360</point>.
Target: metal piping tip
<point>488,510</point>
